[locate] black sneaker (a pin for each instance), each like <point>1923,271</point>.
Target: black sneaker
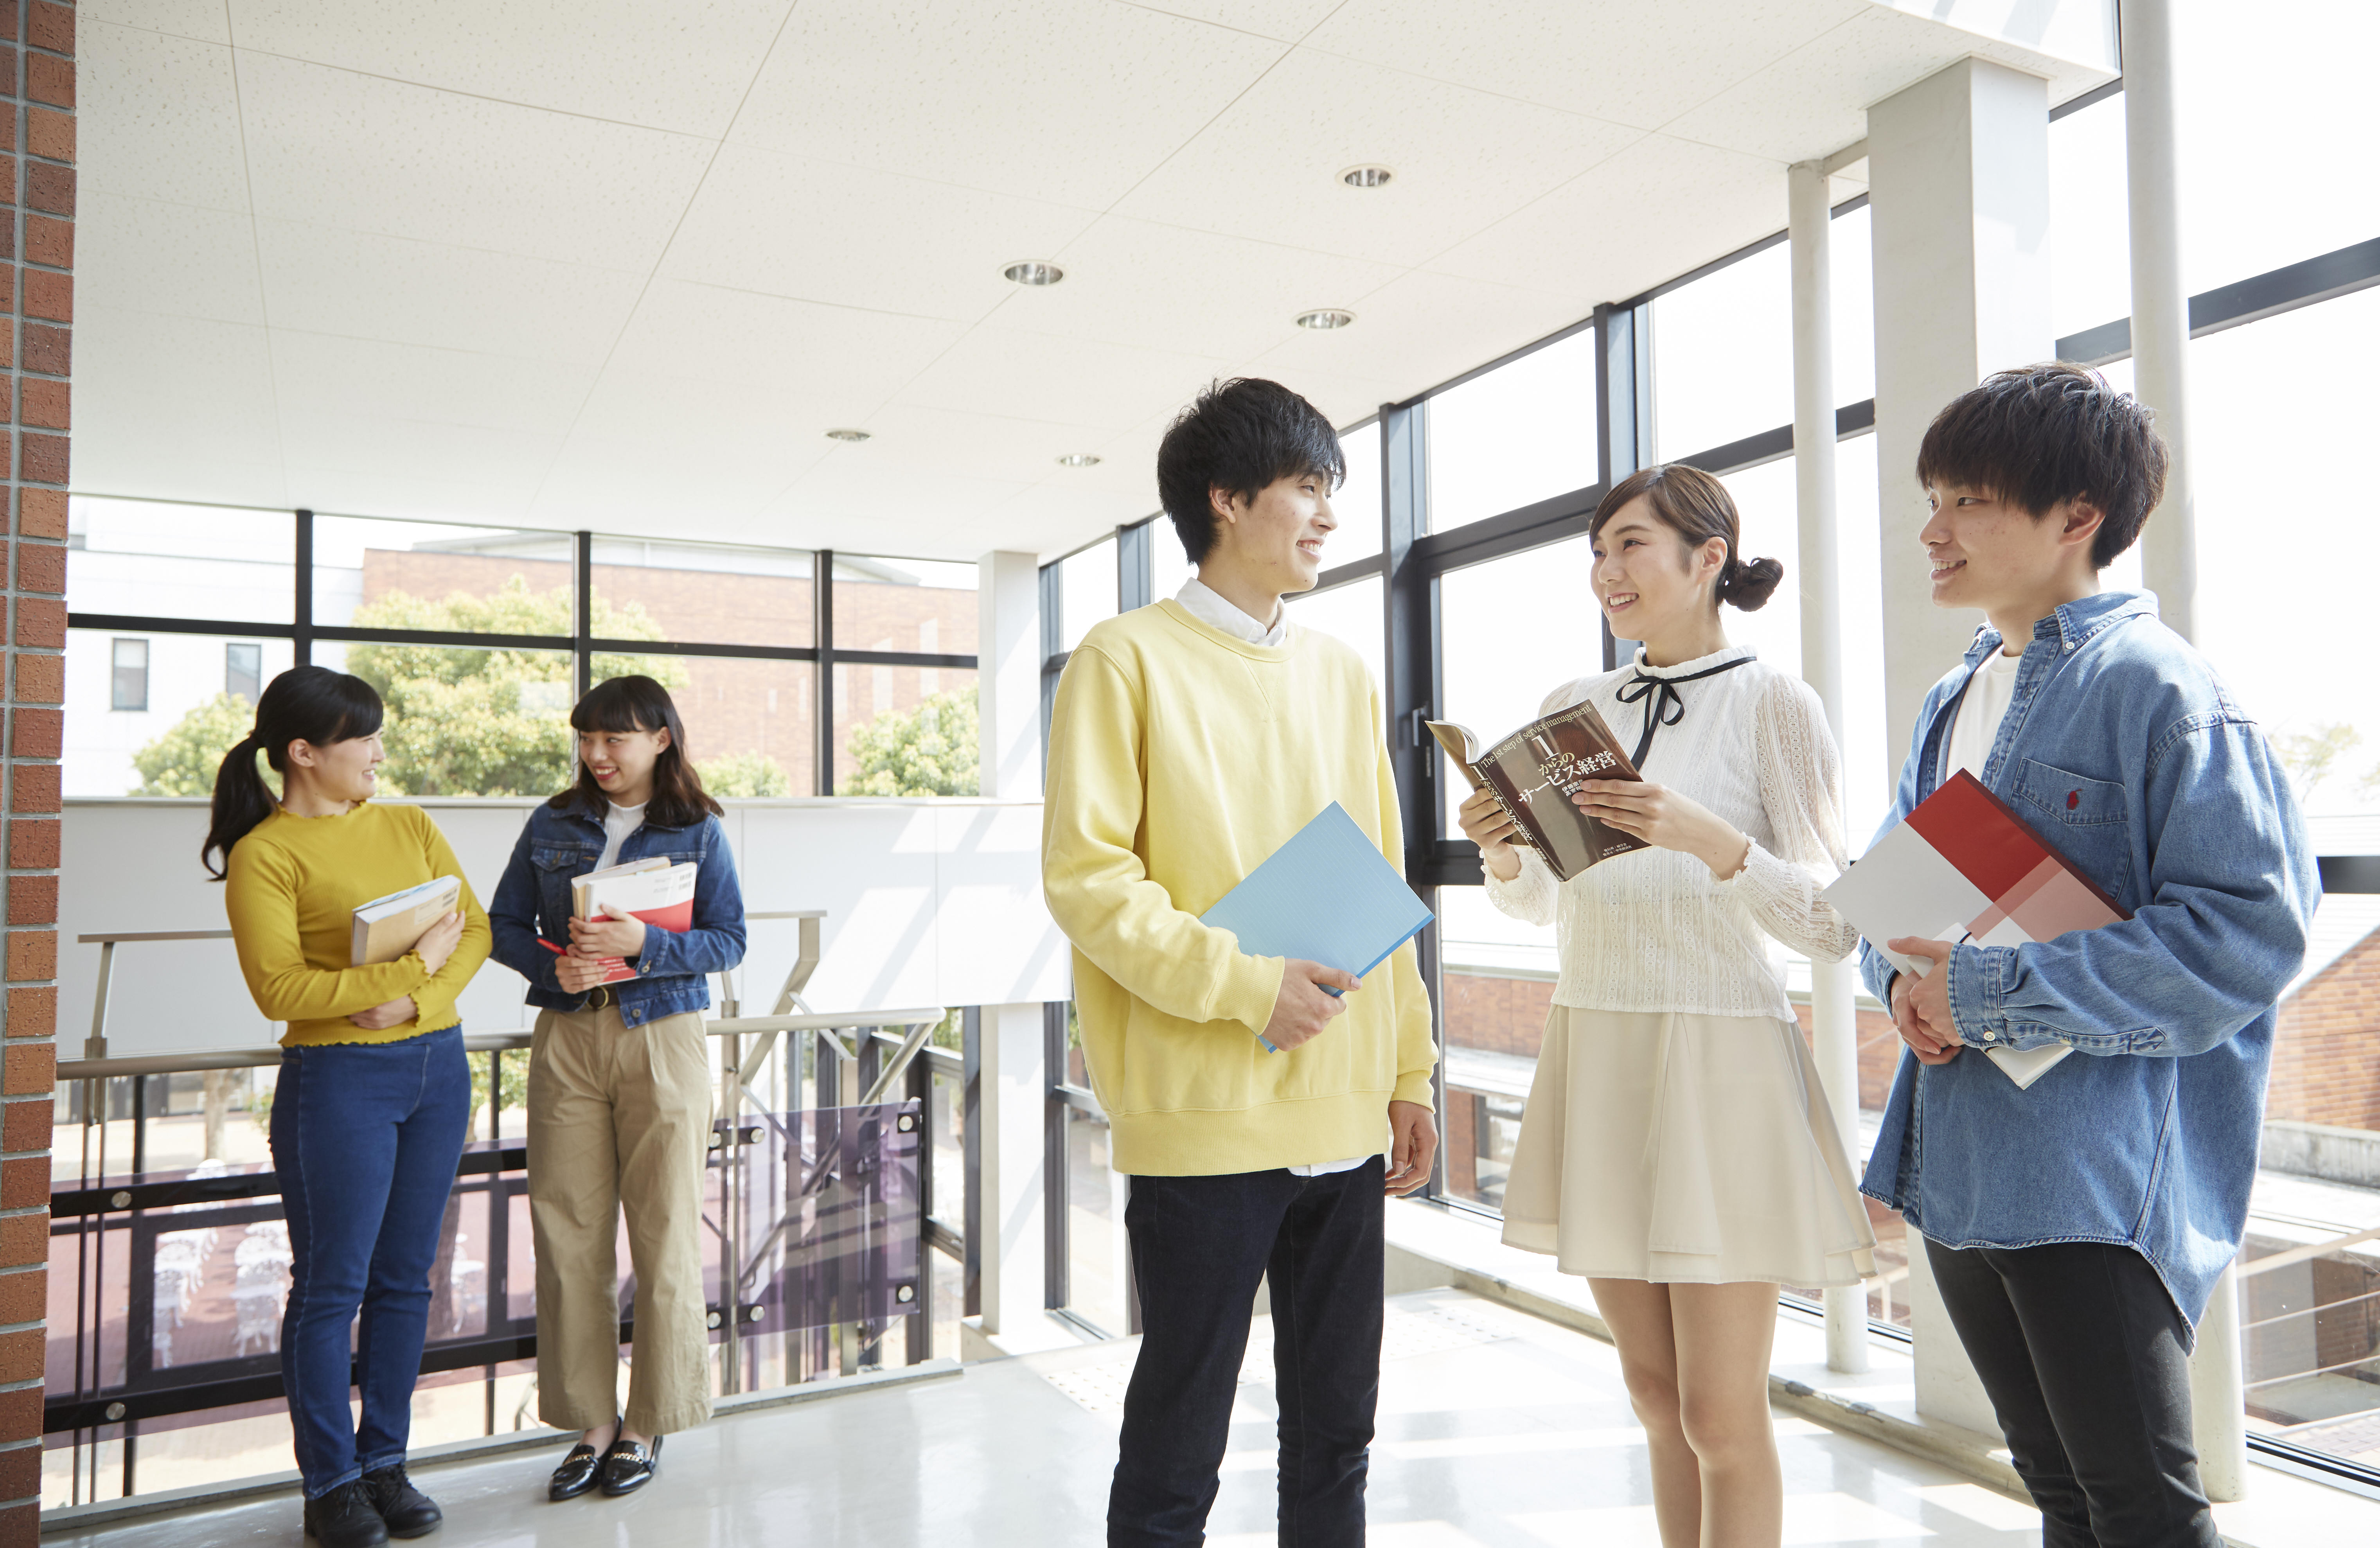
<point>345,1519</point>
<point>406,1510</point>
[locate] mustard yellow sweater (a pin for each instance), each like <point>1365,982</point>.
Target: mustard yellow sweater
<point>1180,758</point>
<point>292,895</point>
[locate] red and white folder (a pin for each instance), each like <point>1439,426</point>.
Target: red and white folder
<point>655,890</point>
<point>1964,867</point>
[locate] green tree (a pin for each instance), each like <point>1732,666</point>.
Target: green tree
<point>480,720</point>
<point>745,774</point>
<point>928,751</point>
<point>184,760</point>
<point>2310,757</point>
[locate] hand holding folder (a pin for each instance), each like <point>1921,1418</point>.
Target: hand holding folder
<point>1327,896</point>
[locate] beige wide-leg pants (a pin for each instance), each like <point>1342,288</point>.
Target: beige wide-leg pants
<point>619,1117</point>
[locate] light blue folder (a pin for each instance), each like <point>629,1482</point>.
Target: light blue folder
<point>1328,896</point>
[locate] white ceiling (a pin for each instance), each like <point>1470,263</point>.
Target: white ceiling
<point>620,263</point>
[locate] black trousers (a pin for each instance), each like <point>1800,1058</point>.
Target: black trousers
<point>2087,1360</point>
<point>1199,1245</point>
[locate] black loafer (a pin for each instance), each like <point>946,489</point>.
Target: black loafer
<point>578,1471</point>
<point>628,1466</point>
<point>345,1519</point>
<point>407,1511</point>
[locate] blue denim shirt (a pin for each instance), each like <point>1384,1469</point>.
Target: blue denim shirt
<point>534,899</point>
<point>2123,749</point>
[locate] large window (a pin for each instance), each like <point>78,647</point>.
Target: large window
<point>1513,436</point>
<point>479,640</point>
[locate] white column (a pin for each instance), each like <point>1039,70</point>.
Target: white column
<point>1008,673</point>
<point>1831,989</point>
<point>1014,1100</point>
<point>1959,198</point>
<point>2170,567</point>
<point>2160,304</point>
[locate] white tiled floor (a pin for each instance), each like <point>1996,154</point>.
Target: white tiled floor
<point>1495,1429</point>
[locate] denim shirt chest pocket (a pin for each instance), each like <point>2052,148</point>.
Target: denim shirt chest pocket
<point>557,864</point>
<point>2088,819</point>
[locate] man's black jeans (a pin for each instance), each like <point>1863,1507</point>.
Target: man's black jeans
<point>1199,1244</point>
<point>2086,1360</point>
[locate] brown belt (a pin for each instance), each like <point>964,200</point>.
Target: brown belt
<point>599,997</point>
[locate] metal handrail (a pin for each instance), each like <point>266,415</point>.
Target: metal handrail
<point>2287,1256</point>
<point>909,1019</point>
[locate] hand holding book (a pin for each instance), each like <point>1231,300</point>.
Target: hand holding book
<point>1920,1001</point>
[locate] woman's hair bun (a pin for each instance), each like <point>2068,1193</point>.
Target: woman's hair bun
<point>1747,584</point>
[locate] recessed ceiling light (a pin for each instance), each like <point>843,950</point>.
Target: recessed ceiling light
<point>1325,317</point>
<point>1078,459</point>
<point>1372,177</point>
<point>1034,272</point>
<point>846,435</point>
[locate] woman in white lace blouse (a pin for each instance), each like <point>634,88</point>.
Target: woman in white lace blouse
<point>1677,1151</point>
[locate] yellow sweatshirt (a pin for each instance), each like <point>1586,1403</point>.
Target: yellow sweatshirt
<point>1180,758</point>
<point>292,895</point>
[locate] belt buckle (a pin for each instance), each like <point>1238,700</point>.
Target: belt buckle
<point>599,997</point>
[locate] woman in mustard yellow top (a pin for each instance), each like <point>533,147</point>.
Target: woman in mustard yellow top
<point>370,1112</point>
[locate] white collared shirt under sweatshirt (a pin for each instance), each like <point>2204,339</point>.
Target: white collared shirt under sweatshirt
<point>1210,605</point>
<point>1653,929</point>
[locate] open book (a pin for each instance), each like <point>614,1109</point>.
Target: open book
<point>658,891</point>
<point>386,928</point>
<point>1963,867</point>
<point>1533,772</point>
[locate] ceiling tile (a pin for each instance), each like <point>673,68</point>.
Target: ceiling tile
<point>431,483</point>
<point>174,408</point>
<point>148,255</point>
<point>158,117</point>
<point>913,439</point>
<point>833,355</point>
<point>682,67</point>
<point>846,501</point>
<point>1653,211</point>
<point>360,285</point>
<point>207,20</point>
<point>1269,167</point>
<point>846,235</point>
<point>333,148</point>
<point>1285,19</point>
<point>1076,381</point>
<point>1613,59</point>
<point>1423,327</point>
<point>320,374</point>
<point>1164,287</point>
<point>654,454</point>
<point>1067,100</point>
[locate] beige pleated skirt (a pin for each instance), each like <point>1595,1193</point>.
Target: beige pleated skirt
<point>1684,1149</point>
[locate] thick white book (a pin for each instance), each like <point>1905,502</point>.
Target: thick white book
<point>386,928</point>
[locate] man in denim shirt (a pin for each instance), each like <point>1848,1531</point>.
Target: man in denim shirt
<point>2077,1227</point>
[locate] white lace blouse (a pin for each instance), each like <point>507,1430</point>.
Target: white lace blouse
<point>1653,929</point>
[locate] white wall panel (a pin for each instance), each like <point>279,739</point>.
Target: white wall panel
<point>928,903</point>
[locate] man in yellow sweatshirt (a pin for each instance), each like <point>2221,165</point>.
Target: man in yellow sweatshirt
<point>1190,740</point>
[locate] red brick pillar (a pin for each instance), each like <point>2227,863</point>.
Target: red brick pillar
<point>37,45</point>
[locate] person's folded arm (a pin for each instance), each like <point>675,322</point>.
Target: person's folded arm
<point>1800,780</point>
<point>512,919</point>
<point>715,943</point>
<point>1097,887</point>
<point>2231,891</point>
<point>261,899</point>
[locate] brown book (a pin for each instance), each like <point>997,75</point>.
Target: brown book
<point>1533,772</point>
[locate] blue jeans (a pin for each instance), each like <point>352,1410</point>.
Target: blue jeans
<point>1199,1244</point>
<point>366,1137</point>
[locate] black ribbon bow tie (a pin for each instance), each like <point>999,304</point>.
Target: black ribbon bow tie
<point>1662,705</point>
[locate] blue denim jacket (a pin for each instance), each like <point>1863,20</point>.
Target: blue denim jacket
<point>2124,749</point>
<point>534,898</point>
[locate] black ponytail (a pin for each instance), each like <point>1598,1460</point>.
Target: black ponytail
<point>305,704</point>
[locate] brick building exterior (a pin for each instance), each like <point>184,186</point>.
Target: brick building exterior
<point>2326,1056</point>
<point>37,65</point>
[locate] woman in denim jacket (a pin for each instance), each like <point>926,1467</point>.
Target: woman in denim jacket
<point>619,1084</point>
